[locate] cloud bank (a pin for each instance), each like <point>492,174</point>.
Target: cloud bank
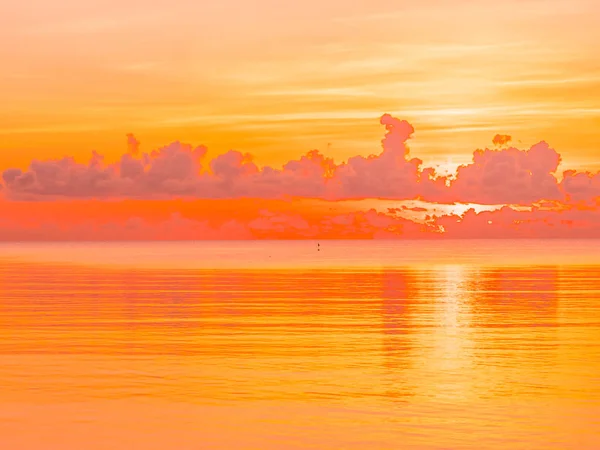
<point>175,193</point>
<point>502,175</point>
<point>240,220</point>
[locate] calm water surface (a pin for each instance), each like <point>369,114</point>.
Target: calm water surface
<point>273,345</point>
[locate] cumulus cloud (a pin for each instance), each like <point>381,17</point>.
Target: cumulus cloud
<point>388,175</point>
<point>497,176</point>
<point>508,176</point>
<point>169,171</point>
<point>581,187</point>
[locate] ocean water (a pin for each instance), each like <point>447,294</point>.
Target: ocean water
<point>278,345</point>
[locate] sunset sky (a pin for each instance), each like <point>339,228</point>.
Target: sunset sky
<point>276,80</point>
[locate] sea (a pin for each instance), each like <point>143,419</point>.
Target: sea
<point>467,344</point>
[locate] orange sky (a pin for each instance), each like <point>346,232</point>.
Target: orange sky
<point>280,78</point>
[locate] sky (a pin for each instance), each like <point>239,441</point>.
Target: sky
<point>183,109</point>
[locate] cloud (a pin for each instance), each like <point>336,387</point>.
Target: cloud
<point>494,177</point>
<point>388,175</point>
<point>133,145</point>
<point>160,220</point>
<point>134,228</point>
<point>567,222</point>
<point>169,171</point>
<point>508,176</point>
<point>501,139</point>
<point>581,187</point>
<point>200,220</point>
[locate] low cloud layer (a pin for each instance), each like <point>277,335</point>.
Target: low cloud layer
<point>503,175</point>
<point>249,219</point>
